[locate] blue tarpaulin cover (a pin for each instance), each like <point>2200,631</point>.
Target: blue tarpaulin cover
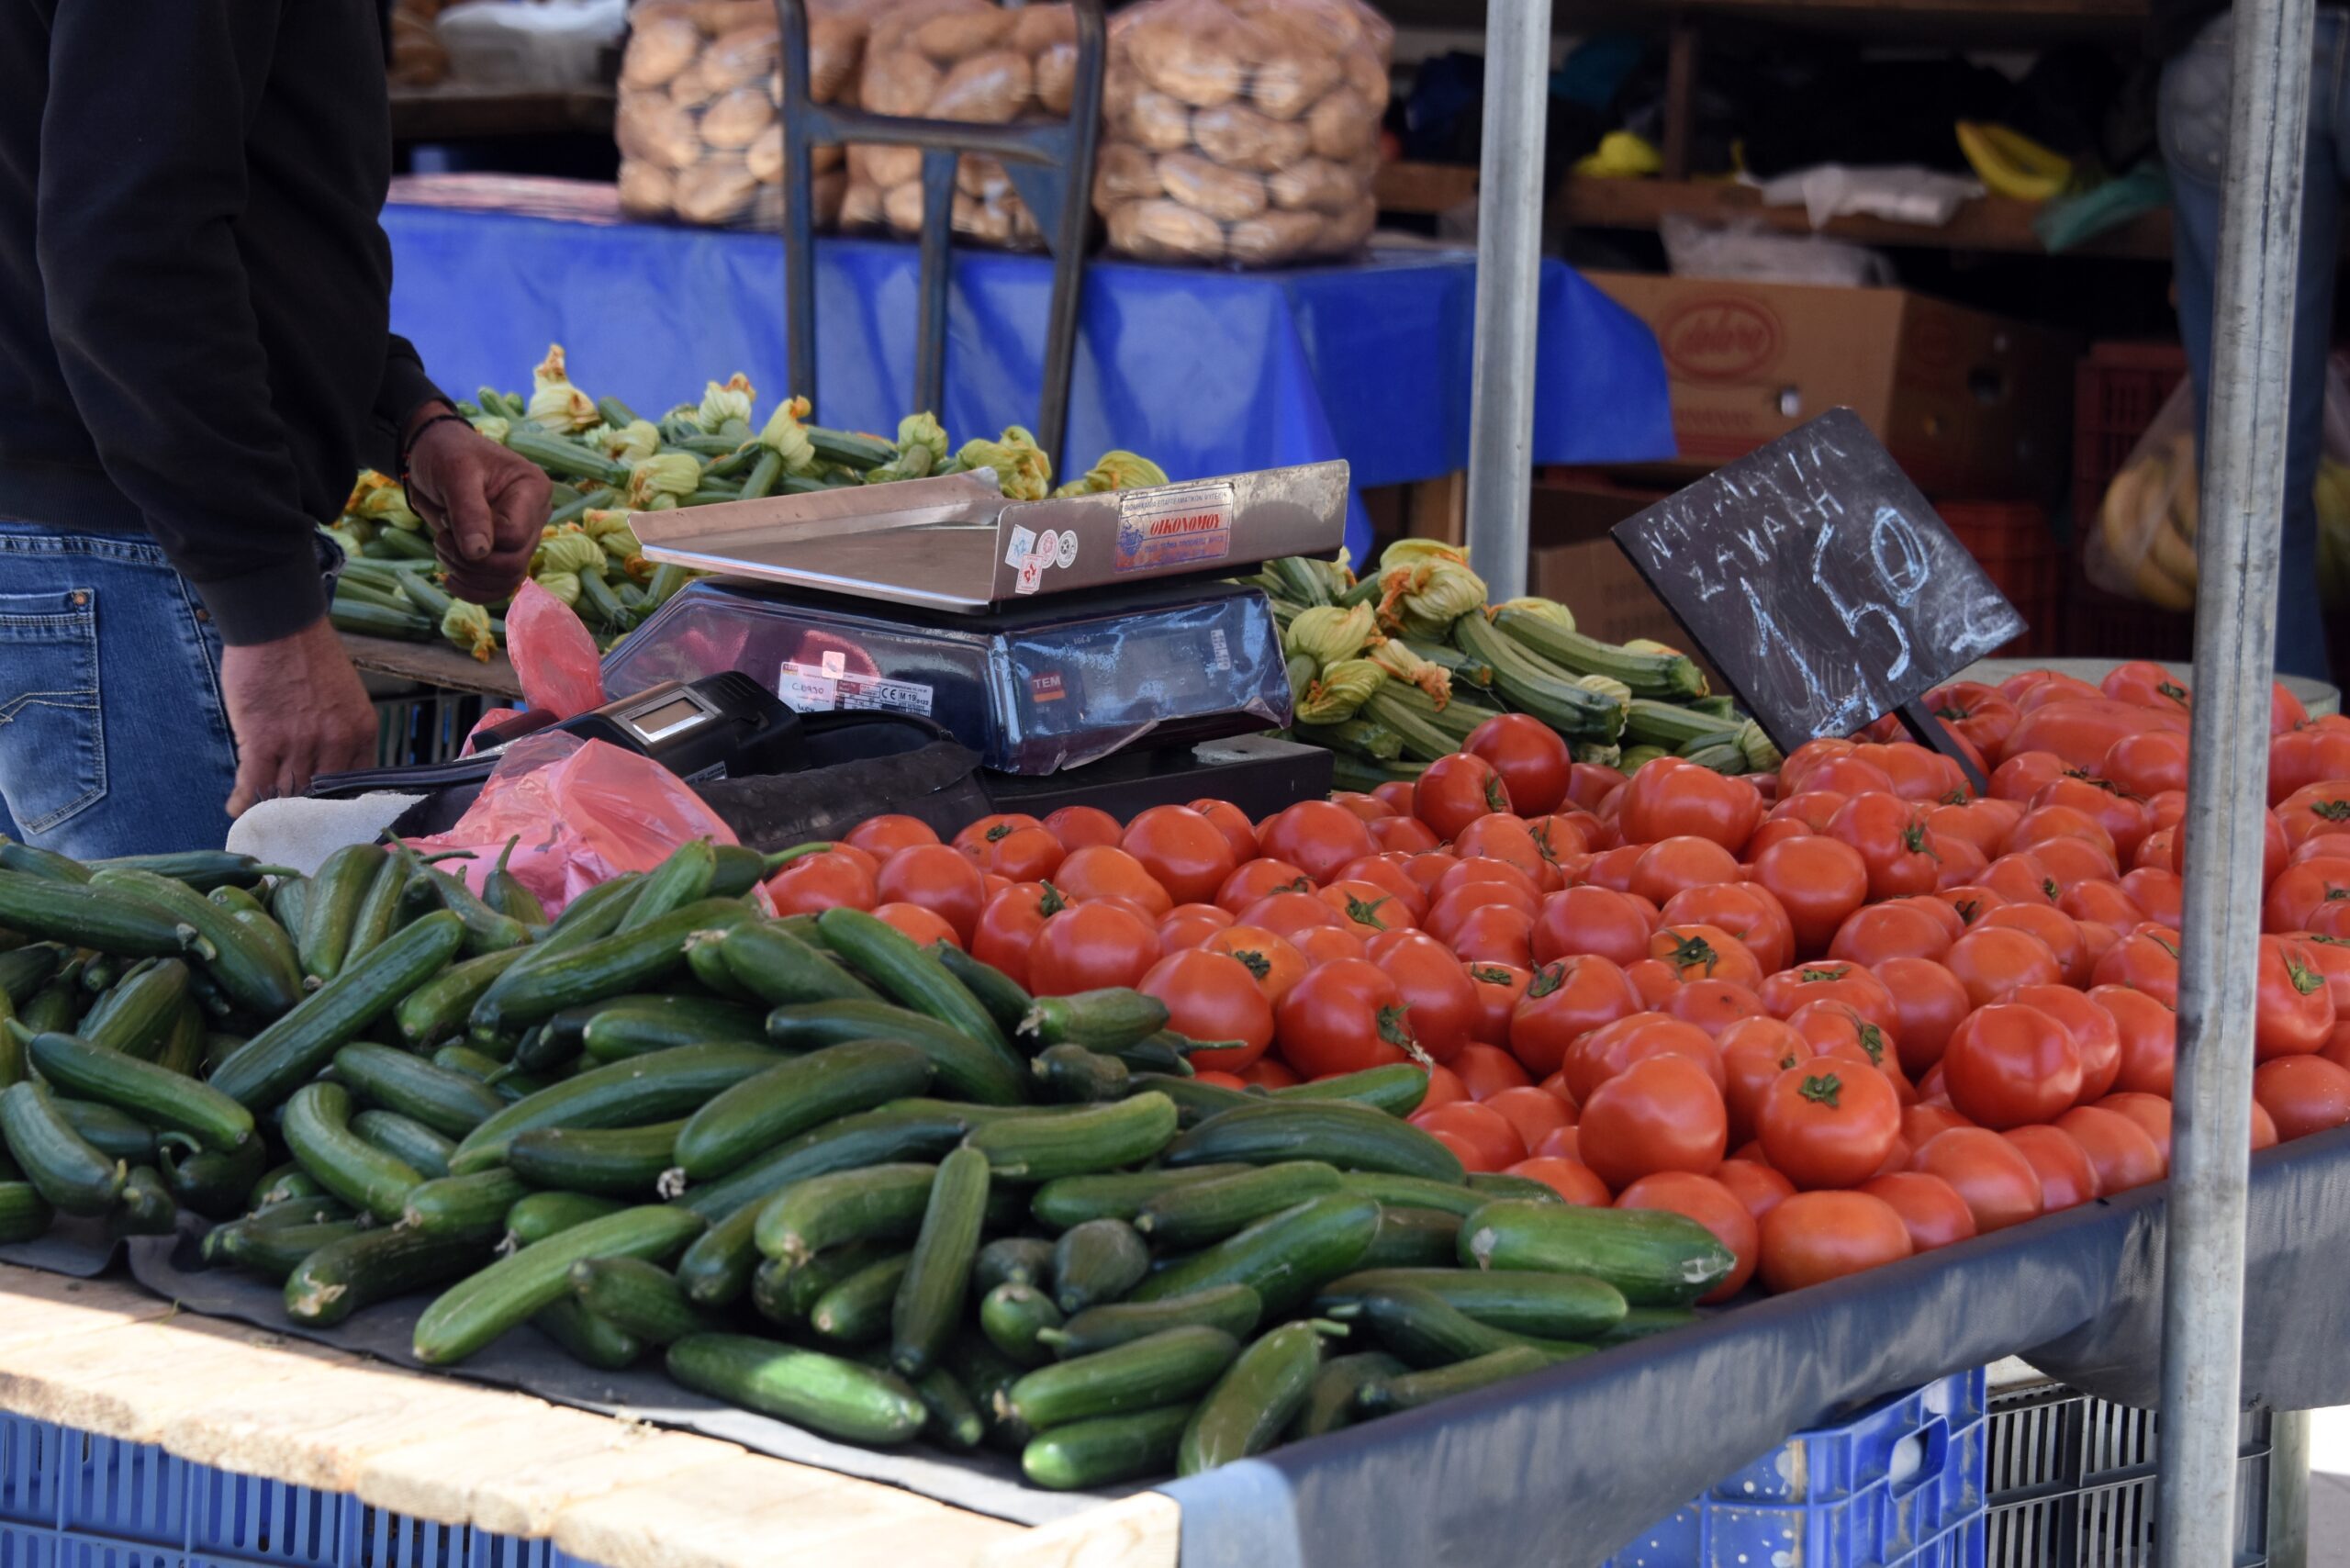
<point>1205,372</point>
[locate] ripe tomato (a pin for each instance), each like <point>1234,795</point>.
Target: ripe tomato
<point>2009,1064</point>
<point>1189,924</point>
<point>1836,1029</point>
<point>1511,841</point>
<point>2067,1175</point>
<point>1591,921</point>
<point>1829,1121</point>
<point>1022,854</point>
<point>830,879</point>
<point>1662,1113</point>
<point>1535,1113</point>
<point>1847,773</point>
<point>1212,996</point>
<point>2104,904</point>
<point>1671,864</point>
<point>1533,761</point>
<point>1486,1070</point>
<point>1610,868</point>
<point>1602,1053</point>
<point>2303,889</point>
<point>1899,930</point>
<point>1271,961</point>
<point>1929,1207</point>
<point>1980,714</point>
<point>1994,962</point>
<point>1321,943</point>
<point>1486,871</point>
<point>1482,1137</point>
<point>940,880</point>
<point>1444,1089</point>
<point>1090,945</point>
<point>2145,684</point>
<point>2313,754</point>
<point>2146,1039</point>
<point>883,836</point>
<point>1928,1001</point>
<point>1814,808</point>
<point>2082,732</point>
<point>1713,1006</point>
<point>1890,834</point>
<point>2294,1014</point>
<point>1456,790</point>
<point>1183,851</point>
<point>919,926</point>
<point>1756,1186</point>
<point>1570,1178</point>
<point>2330,956</point>
<point>1711,1205</point>
<point>2000,1186</point>
<point>2057,932</point>
<point>1102,870</point>
<point>1833,981</point>
<point>1923,1120</point>
<point>1077,826</point>
<point>1317,836</point>
<point>1366,908</point>
<point>1753,1053</point>
<point>2303,1095</point>
<point>2122,818</point>
<point>1495,933</point>
<point>2143,961</point>
<point>1266,1072</point>
<point>2096,1037</point>
<point>1813,1238</point>
<point>1369,808</point>
<point>1496,987</point>
<point>1234,824</point>
<point>2118,1150</point>
<point>1819,880</point>
<point>2264,1125</point>
<point>2150,1111</point>
<point>1697,952</point>
<point>1259,879</point>
<point>1409,834</point>
<point>1007,926</point>
<point>1564,1000</point>
<point>1436,991</point>
<point>1344,1015</point>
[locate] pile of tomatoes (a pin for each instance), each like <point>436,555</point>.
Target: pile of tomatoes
<point>1837,1015</point>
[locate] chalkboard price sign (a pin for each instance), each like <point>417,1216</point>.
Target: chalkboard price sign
<point>1820,583</point>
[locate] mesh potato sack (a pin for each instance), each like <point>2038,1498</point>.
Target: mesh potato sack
<point>701,93</point>
<point>958,60</point>
<point>1242,131</point>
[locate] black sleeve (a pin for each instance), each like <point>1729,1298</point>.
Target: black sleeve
<point>404,389</point>
<point>143,175</point>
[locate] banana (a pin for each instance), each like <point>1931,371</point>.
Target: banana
<point>2186,503</point>
<point>2172,552</point>
<point>2159,588</point>
<point>2013,164</point>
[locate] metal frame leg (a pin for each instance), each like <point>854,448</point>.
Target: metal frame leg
<point>2288,1489</point>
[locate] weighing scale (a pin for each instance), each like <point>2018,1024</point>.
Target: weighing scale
<point>1087,647</point>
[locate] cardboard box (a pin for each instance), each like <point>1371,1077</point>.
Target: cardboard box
<point>1969,404</point>
<point>1575,562</point>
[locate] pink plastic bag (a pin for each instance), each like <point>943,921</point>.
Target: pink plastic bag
<point>584,810</point>
<point>554,657</point>
<point>490,719</point>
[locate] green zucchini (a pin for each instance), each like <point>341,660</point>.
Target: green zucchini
<point>268,1067</point>
<point>856,1309</point>
<point>369,1266</point>
<point>1235,1309</point>
<point>938,1272</point>
<point>533,1218</point>
<point>318,1134</point>
<point>1016,1318</point>
<point>1160,1368</point>
<point>472,1205</point>
<point>1518,1301</point>
<point>1100,1020</point>
<point>98,918</point>
<point>1097,1262</point>
<point>156,1095</point>
<point>909,975</point>
<point>1084,1141</point>
<point>1336,1132</point>
<point>779,969</point>
<point>1653,1257</point>
<point>1200,1213</point>
<point>59,1162</point>
<point>243,964</point>
<point>882,1202</point>
<point>1409,1391</point>
<point>635,1027</point>
<point>613,1162</point>
<point>1106,1449</point>
<point>1671,677</point>
<point>632,1092</point>
<point>638,1298</point>
<point>1284,1258</point>
<point>478,1309</point>
<point>1253,1403</point>
<point>828,1394</point>
<point>791,1097</point>
<point>547,979</point>
<point>1073,1200</point>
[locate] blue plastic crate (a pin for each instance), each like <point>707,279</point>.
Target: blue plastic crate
<point>1897,1486</point>
<point>29,1471</point>
<point>128,1492</point>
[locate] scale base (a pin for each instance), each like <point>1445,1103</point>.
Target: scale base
<point>1258,773</point>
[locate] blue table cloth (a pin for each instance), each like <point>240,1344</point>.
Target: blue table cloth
<point>1205,372</point>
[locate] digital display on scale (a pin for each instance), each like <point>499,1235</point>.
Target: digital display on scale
<point>654,723</point>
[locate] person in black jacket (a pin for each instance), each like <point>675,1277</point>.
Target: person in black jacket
<point>195,362</point>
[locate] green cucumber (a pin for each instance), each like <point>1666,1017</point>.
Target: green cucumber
<point>318,1134</point>
<point>504,892</point>
<point>882,1202</point>
<point>779,969</point>
<point>1198,1101</point>
<point>34,861</point>
<point>24,971</point>
<point>1012,1260</point>
<point>622,1094</point>
<point>533,1218</point>
<point>1330,1403</point>
<point>245,966</point>
<point>478,1310</point>
<point>369,1266</point>
<point>1106,1449</point>
<point>1016,1318</point>
<point>638,1298</point>
<point>591,916</point>
<point>967,1069</point>
<point>1502,1185</point>
<point>449,1102</point>
<point>202,869</point>
<point>613,1162</point>
<point>472,1205</point>
<point>827,1394</point>
<point>737,869</point>
<point>184,1043</point>
<point>331,907</point>
<point>1006,999</point>
<point>156,1095</point>
<point>547,979</point>
<point>1415,1192</point>
<point>280,1182</point>
<point>785,1293</point>
<point>1097,1262</point>
<point>1518,1301</point>
<point>268,1067</point>
<point>1336,1132</point>
<point>1253,1403</point>
<point>938,1272</point>
<point>1643,1321</point>
<point>708,968</point>
<point>640,1025</point>
<point>985,1372</point>
<point>1409,1391</point>
<point>683,879</point>
<point>587,1339</point>
<point>1653,1257</point>
<point>1284,1258</point>
<point>1084,1141</point>
<point>908,974</point>
<point>275,1251</point>
<point>856,1309</point>
<point>1075,1074</point>
<point>1413,1239</point>
<point>379,909</point>
<point>786,1099</point>
<point>1426,1330</point>
<point>1200,1213</point>
<point>24,1214</point>
<point>54,1007</point>
<point>407,1140</point>
<point>274,942</point>
<point>1235,1309</point>
<point>68,1173</point>
<point>208,1182</point>
<point>1100,1020</point>
<point>114,1133</point>
<point>487,930</point>
<point>1396,1088</point>
<point>100,918</point>
<point>1160,1368</point>
<point>441,1005</point>
<point>133,1017</point>
<point>144,1207</point>
<point>954,1422</point>
<point>469,1063</point>
<point>1073,1200</point>
<point>290,901</point>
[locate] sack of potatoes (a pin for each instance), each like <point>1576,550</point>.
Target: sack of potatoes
<point>1244,132</point>
<point>700,136</point>
<point>969,61</point>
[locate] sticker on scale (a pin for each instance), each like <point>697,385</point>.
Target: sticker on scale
<point>812,688</point>
<point>1158,529</point>
<point>1022,545</point>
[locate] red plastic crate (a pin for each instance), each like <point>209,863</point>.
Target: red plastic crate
<point>2017,545</point>
<point>2117,390</point>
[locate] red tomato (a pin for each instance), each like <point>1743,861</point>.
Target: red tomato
<point>2009,1064</point>
<point>2330,956</point>
<point>1979,714</point>
<point>1496,934</point>
<point>1439,996</point>
<point>1748,911</point>
<point>920,925</point>
<point>1022,853</point>
<point>2302,1094</point>
<point>1565,1000</point>
<point>940,880</point>
<point>1704,952</point>
<point>1535,1113</point>
<point>1007,927</point>
<point>1820,880</point>
<point>2118,1150</point>
<point>1190,925</point>
<point>1077,826</point>
<point>1485,871</point>
<point>2082,732</point>
<point>1672,798</point>
<point>1671,864</point>
<point>1409,834</point>
<point>1185,853</point>
<point>2122,818</point>
<point>2294,1015</point>
<point>1485,1139</point>
<point>2143,961</point>
<point>1847,773</point>
<point>1753,1185</point>
<point>2096,1037</point>
<point>1292,914</point>
<point>2298,758</point>
<point>1591,921</point>
<point>1836,1029</point>
<point>1890,834</point>
<point>1102,870</point>
<point>2000,1186</point>
<point>2057,932</point>
<point>1456,790</point>
<point>1270,958</point>
<point>1317,836</point>
<point>1570,1178</point>
<point>1396,795</point>
<point>2067,1175</point>
<point>1713,1006</point>
<point>1928,1001</point>
<point>1814,808</point>
<point>1610,868</point>
<point>2145,684</point>
<point>1212,996</point>
<point>1533,761</point>
<point>1444,1089</point>
<point>2021,878</point>
<point>1711,1205</point>
<point>1899,930</point>
<point>1813,1238</point>
<point>1486,1071</point>
<point>2264,1125</point>
<point>1090,945</point>
<point>1497,988</point>
<point>2150,1111</point>
<point>1260,880</point>
<point>883,836</point>
<point>1369,808</point>
<point>1602,1053</point>
<point>1753,1054</point>
<point>1663,1114</point>
<point>1850,984</point>
<point>1234,824</point>
<point>1511,841</point>
<point>1365,908</point>
<point>2147,1039</point>
<point>1344,1015</point>
<point>1266,1072</point>
<point>2105,903</point>
<point>1994,962</point>
<point>1323,943</point>
<point>1827,1122</point>
<point>1923,1120</point>
<point>831,879</point>
<point>1929,1207</point>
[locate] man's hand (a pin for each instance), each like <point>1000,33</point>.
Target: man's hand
<point>298,709</point>
<point>487,506</point>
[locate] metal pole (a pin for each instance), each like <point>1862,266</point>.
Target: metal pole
<point>2235,629</point>
<point>2288,1489</point>
<point>1509,290</point>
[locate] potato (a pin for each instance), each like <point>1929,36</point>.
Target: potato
<point>691,88</point>
<point>718,190</point>
<point>981,177</point>
<point>1367,77</point>
<point>1239,137</point>
<point>742,59</point>
<point>645,190</point>
<point>986,89</point>
<point>659,46</point>
<point>955,35</point>
<point>1271,238</point>
<point>763,156</point>
<point>648,125</point>
<point>1344,231</point>
<point>888,166</point>
<point>1037,28</point>
<point>861,207</point>
<point>1165,231</point>
<point>1201,69</point>
<point>1315,185</point>
<point>1224,195</point>
<point>1057,77</point>
<point>899,81</point>
<point>736,120</point>
<point>1124,172</point>
<point>1288,81</point>
<point>835,45</point>
<point>1343,126</point>
<point>901,205</point>
<point>1157,121</point>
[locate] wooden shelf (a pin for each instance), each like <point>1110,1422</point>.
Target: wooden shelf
<point>1990,223</point>
<point>434,664</point>
<point>454,112</point>
<point>1424,189</point>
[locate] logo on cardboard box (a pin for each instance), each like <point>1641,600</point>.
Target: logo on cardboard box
<point>1720,338</point>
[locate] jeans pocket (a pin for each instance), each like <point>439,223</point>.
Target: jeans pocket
<point>2191,107</point>
<point>52,737</point>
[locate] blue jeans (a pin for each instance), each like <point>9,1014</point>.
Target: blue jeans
<point>113,736</point>
<point>2193,118</point>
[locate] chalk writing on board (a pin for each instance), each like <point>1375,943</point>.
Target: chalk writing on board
<point>1819,580</point>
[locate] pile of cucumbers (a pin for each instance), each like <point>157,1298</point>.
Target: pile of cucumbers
<point>812,1167</point>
